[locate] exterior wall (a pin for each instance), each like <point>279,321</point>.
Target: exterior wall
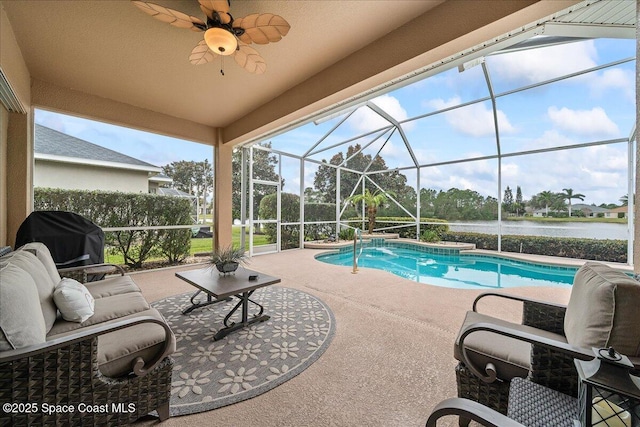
<point>16,136</point>
<point>4,125</point>
<point>87,177</point>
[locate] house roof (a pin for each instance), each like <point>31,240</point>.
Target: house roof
<point>619,209</point>
<point>592,208</point>
<point>57,146</point>
<point>173,192</point>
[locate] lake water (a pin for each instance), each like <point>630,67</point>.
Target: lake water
<point>587,230</point>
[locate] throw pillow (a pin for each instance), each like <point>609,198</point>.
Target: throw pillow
<point>73,300</point>
<point>21,320</point>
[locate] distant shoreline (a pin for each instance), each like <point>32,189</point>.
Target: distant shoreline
<point>572,219</point>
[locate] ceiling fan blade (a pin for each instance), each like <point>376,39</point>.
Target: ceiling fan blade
<point>262,28</point>
<point>219,6</point>
<point>201,54</point>
<point>170,16</point>
<point>249,59</point>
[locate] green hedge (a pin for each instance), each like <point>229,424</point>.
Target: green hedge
<point>409,231</point>
<point>591,249</point>
<point>117,209</point>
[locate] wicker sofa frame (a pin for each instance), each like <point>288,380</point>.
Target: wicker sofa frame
<point>551,361</point>
<point>64,371</point>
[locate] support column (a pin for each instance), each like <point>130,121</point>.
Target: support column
<point>636,195</point>
<point>19,179</point>
<point>222,218</point>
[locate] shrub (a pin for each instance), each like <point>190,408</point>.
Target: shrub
<point>430,236</point>
<point>592,249</point>
<point>117,209</point>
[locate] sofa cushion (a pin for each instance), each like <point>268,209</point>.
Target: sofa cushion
<point>110,286</point>
<point>117,350</point>
<point>45,286</point>
<point>107,308</point>
<point>41,251</point>
<point>21,319</point>
<point>73,300</point>
<point>602,310</point>
<point>511,357</point>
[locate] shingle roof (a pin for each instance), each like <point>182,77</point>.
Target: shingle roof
<point>164,191</point>
<point>52,142</point>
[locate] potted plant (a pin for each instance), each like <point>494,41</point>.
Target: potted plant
<point>227,259</point>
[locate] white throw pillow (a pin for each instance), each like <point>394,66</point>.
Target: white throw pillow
<point>73,300</point>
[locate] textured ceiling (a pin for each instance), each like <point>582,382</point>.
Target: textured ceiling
<point>113,50</point>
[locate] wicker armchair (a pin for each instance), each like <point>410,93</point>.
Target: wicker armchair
<point>544,345</point>
<point>65,372</point>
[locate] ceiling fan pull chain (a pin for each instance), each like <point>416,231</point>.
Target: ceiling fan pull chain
<point>222,65</point>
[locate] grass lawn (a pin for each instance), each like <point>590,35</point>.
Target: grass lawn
<point>199,246</point>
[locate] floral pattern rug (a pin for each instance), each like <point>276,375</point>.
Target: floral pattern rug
<point>209,374</point>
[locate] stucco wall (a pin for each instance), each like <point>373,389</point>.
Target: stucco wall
<point>85,177</point>
<point>4,123</point>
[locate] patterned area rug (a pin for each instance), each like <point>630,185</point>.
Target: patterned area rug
<point>250,361</point>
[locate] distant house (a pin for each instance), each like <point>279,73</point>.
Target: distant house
<point>620,212</point>
<point>63,161</point>
<point>590,211</point>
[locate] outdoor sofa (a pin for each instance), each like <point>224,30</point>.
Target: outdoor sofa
<point>108,368</point>
<point>602,312</point>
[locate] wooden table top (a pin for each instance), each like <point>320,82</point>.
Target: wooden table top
<point>221,286</point>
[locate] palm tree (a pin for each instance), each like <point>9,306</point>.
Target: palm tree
<point>546,198</point>
<point>372,201</point>
<point>624,200</point>
<point>568,195</point>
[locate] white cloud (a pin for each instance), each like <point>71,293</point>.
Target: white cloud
<point>614,79</point>
<point>594,122</point>
<point>365,119</point>
<point>535,65</point>
<point>474,120</point>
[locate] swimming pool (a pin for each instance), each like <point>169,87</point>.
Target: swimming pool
<point>453,270</point>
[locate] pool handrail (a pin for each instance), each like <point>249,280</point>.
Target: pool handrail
<point>357,233</point>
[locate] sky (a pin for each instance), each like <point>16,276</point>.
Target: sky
<point>593,107</point>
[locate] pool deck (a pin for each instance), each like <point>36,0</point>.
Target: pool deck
<point>390,361</point>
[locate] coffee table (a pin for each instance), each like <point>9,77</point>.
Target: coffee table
<point>220,288</point>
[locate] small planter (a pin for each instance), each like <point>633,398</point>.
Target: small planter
<point>228,267</point>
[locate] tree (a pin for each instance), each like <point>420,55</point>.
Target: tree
<point>546,198</point>
<point>372,201</point>
<point>507,201</point>
<point>325,177</point>
<point>569,194</point>
<point>624,200</point>
<point>264,168</point>
<point>191,177</point>
<point>519,202</point>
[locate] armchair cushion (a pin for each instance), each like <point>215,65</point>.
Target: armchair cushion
<point>602,310</point>
<point>21,320</point>
<point>511,357</point>
<point>110,286</point>
<point>29,263</point>
<point>74,300</point>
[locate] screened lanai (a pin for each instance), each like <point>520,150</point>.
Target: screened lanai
<point>477,141</point>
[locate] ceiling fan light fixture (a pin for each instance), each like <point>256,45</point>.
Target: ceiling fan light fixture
<point>221,41</point>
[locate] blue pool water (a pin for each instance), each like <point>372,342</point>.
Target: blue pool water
<point>455,271</point>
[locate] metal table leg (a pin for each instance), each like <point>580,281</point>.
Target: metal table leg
<point>244,303</point>
<point>195,304</point>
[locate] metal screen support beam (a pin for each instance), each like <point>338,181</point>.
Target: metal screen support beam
<point>243,197</point>
<point>302,203</point>
<point>337,202</point>
<point>250,201</point>
<point>418,213</point>
<point>494,107</point>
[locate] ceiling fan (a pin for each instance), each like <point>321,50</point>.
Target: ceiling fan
<point>224,35</point>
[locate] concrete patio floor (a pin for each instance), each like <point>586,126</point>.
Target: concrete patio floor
<point>390,362</point>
